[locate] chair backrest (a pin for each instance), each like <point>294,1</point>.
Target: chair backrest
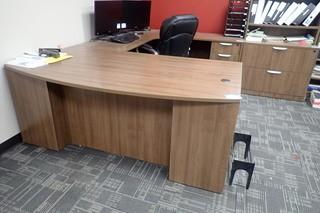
<point>176,35</point>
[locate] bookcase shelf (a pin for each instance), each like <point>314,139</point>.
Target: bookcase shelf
<point>285,30</point>
<point>284,26</point>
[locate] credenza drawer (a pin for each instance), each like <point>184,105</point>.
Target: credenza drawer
<point>274,81</point>
<point>287,59</point>
<point>225,51</point>
<point>292,59</point>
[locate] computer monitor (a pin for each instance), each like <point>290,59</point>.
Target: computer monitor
<point>137,14</point>
<point>107,15</point>
<point>115,16</point>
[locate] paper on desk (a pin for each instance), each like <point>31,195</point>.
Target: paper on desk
<point>254,39</point>
<point>63,56</point>
<point>28,61</point>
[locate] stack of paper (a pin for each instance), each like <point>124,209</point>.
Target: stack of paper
<point>28,61</point>
<point>300,38</point>
<point>256,36</point>
<point>275,38</point>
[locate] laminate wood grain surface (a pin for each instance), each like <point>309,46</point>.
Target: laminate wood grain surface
<point>144,127</point>
<point>282,83</point>
<point>225,51</point>
<point>57,101</point>
<point>200,143</point>
<point>124,125</point>
<point>279,58</point>
<point>168,110</point>
<point>199,36</point>
<point>107,67</point>
<point>91,118</point>
<point>33,109</point>
<point>280,72</point>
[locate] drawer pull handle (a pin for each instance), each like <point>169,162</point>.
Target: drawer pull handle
<point>225,44</point>
<point>224,55</point>
<point>280,48</point>
<point>274,72</point>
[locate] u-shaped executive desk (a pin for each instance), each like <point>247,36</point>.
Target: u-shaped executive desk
<point>174,111</point>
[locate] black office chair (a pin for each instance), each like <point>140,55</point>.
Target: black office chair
<point>176,35</point>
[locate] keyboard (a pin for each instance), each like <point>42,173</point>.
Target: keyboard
<point>125,38</point>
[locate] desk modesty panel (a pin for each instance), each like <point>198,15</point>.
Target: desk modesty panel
<point>174,111</point>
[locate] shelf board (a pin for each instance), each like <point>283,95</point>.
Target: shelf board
<point>284,26</point>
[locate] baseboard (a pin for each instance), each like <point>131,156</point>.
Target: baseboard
<point>10,142</point>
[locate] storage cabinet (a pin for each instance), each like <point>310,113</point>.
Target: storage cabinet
<point>226,51</point>
<point>274,83</point>
<point>277,71</point>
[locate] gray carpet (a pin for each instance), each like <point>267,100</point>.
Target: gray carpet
<point>286,147</point>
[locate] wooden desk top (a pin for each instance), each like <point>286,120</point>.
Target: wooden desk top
<point>154,34</point>
<point>108,67</point>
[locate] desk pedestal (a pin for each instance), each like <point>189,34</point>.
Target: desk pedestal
<point>192,138</point>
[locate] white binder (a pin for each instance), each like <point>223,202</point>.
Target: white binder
<point>296,13</point>
<point>273,9</point>
<point>257,19</point>
<point>265,11</point>
<point>312,16</point>
<point>278,12</point>
<point>289,11</point>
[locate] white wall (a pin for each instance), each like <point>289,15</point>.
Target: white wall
<point>30,24</point>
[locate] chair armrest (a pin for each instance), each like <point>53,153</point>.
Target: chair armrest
<point>148,48</point>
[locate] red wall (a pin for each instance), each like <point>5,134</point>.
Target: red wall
<point>211,13</point>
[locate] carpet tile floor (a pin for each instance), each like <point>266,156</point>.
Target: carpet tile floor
<point>285,148</point>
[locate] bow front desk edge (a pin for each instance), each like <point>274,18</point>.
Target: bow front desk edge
<point>172,111</point>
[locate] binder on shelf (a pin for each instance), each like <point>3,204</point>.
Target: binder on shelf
<point>257,19</point>
<point>312,15</point>
<point>266,11</point>
<point>278,12</point>
<point>287,13</point>
<point>301,7</point>
<point>253,11</point>
<point>283,11</point>
<point>272,11</point>
<point>304,14</point>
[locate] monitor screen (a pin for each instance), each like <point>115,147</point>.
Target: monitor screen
<point>114,16</point>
